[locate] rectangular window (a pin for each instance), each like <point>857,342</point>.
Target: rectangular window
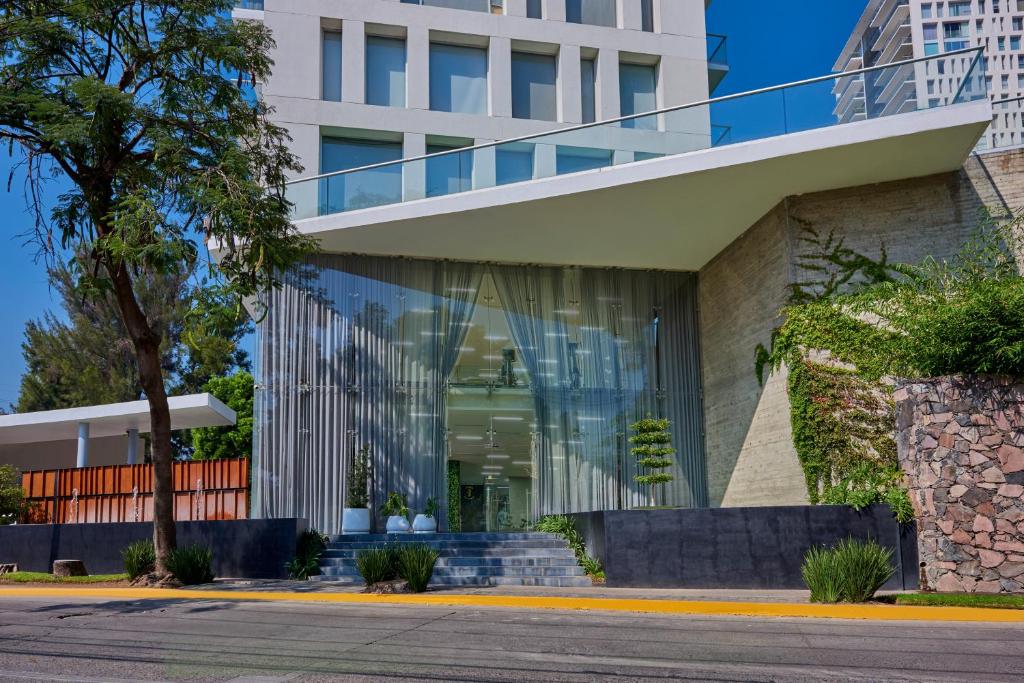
<point>647,15</point>
<point>588,85</point>
<point>930,32</point>
<point>450,173</point>
<point>637,94</point>
<point>385,71</point>
<point>926,11</point>
<point>458,79</point>
<point>957,30</point>
<point>534,9</point>
<point>534,95</point>
<point>959,9</point>
<point>1018,23</point>
<point>361,189</point>
<point>594,12</point>
<point>576,159</point>
<point>331,68</point>
<point>513,163</point>
<point>931,49</point>
<point>1014,43</point>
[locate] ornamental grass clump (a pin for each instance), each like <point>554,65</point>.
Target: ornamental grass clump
<point>139,558</point>
<point>416,565</point>
<point>191,564</point>
<point>308,549</point>
<point>851,571</point>
<point>377,564</point>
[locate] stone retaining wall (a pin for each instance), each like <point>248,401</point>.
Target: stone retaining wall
<point>961,445</point>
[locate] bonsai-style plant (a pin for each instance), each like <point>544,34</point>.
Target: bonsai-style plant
<point>652,448</point>
<point>427,522</point>
<point>356,515</point>
<point>396,508</point>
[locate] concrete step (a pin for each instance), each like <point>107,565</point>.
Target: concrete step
<point>470,552</point>
<point>566,560</point>
<point>442,544</point>
<point>469,536</point>
<point>448,581</point>
<point>440,572</point>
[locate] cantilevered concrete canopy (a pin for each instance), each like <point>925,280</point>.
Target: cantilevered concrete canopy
<point>113,419</point>
<point>674,212</point>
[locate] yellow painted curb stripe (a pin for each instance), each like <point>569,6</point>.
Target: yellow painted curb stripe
<point>694,607</point>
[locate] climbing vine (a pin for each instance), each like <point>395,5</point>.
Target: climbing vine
<point>454,497</point>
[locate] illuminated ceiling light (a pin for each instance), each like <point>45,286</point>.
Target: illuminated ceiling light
<point>488,375</point>
<point>567,311</point>
<point>497,456</point>
<point>507,418</point>
<point>461,290</point>
<point>423,311</point>
<point>469,437</point>
<point>431,334</point>
<point>466,349</point>
<point>495,337</point>
<point>522,463</point>
<point>493,357</point>
<point>549,361</point>
<point>556,334</point>
<point>587,418</point>
<point>402,343</point>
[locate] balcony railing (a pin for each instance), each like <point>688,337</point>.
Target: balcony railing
<point>249,4</point>
<point>720,121</point>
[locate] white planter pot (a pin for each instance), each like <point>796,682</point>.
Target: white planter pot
<point>424,525</point>
<point>355,521</point>
<point>397,525</point>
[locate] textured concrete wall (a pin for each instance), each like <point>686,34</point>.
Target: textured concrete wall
<point>751,460</point>
<point>961,445</point>
<point>735,548</point>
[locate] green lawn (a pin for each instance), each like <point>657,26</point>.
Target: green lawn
<point>43,577</point>
<point>961,600</point>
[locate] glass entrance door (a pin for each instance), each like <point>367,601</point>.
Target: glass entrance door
<point>491,424</point>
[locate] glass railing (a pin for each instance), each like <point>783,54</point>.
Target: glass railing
<point>726,120</point>
<point>472,5</point>
<point>717,50</point>
<point>249,4</point>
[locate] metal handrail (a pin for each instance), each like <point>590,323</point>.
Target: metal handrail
<point>665,110</point>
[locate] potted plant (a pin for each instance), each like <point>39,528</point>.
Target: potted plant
<point>396,507</point>
<point>355,519</point>
<point>427,522</point>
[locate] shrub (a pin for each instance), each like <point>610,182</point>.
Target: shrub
<point>416,565</point>
<point>395,505</point>
<point>191,564</point>
<point>821,575</point>
<point>377,564</point>
<point>139,558</point>
<point>566,528</point>
<point>358,495</point>
<point>851,571</point>
<point>12,497</point>
<point>308,549</point>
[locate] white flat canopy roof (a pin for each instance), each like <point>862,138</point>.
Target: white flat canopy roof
<point>112,419</point>
<point>673,213</point>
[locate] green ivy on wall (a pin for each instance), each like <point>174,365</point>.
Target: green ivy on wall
<point>454,497</point>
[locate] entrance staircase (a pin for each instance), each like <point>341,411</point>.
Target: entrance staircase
<point>470,559</point>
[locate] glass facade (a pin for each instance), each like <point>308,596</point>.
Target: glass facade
<point>505,392</point>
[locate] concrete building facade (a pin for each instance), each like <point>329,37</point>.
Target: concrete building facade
<point>894,30</point>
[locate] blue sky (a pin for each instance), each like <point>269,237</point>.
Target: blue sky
<point>769,43</point>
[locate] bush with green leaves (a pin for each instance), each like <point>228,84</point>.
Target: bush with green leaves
<point>139,558</point>
<point>308,549</point>
<point>416,565</point>
<point>396,505</point>
<point>566,528</point>
<point>378,564</point>
<point>12,496</point>
<point>358,480</point>
<point>191,564</point>
<point>652,447</point>
<point>850,571</point>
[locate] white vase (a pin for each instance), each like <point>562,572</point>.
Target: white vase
<point>424,524</point>
<point>397,525</point>
<point>355,521</point>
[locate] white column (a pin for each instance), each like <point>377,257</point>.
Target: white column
<point>570,93</point>
<point>83,444</point>
<point>545,160</point>
<point>417,67</point>
<point>484,165</point>
<point>499,76</point>
<point>353,61</point>
<point>608,105</point>
<point>629,14</point>
<point>133,447</point>
<point>414,174</point>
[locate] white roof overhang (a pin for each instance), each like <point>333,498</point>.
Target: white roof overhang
<point>112,419</point>
<point>674,212</point>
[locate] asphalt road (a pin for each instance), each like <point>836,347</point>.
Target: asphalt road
<point>94,640</point>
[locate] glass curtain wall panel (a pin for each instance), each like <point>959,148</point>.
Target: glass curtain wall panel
<point>458,78</point>
<point>385,71</point>
<point>534,95</point>
<point>534,9</point>
<point>594,12</point>
<point>638,85</point>
<point>331,67</point>
<point>588,84</point>
<point>358,190</point>
<point>527,377</point>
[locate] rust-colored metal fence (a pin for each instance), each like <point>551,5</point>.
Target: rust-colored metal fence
<point>210,489</point>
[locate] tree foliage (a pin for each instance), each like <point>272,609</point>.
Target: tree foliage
<point>147,110</point>
<point>218,443</point>
<point>85,357</point>
<point>652,447</point>
<point>12,497</point>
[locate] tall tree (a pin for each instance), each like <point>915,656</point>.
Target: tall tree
<point>144,108</point>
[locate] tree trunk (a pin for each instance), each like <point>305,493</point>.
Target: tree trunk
<point>147,354</point>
